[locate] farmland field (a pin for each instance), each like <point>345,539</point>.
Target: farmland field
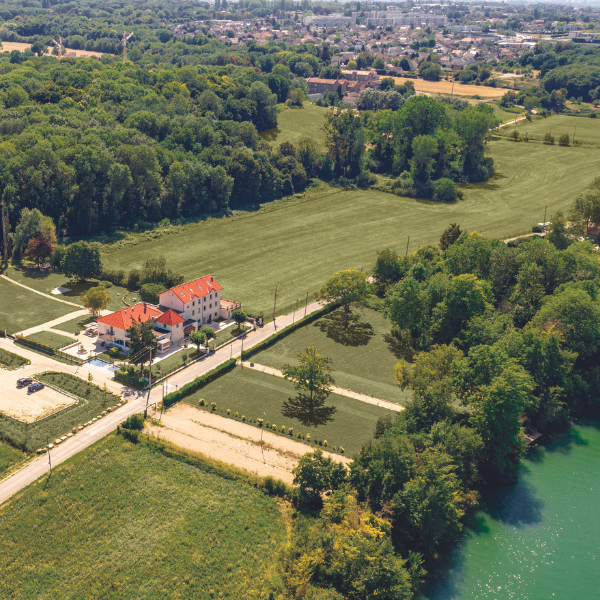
<point>125,521</point>
<point>252,394</point>
<point>293,124</point>
<point>446,87</point>
<point>49,280</point>
<point>363,354</point>
<point>21,309</point>
<point>298,244</point>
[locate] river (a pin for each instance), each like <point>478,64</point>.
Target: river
<point>538,539</point>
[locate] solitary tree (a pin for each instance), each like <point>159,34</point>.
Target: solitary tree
<point>143,343</point>
<point>82,261</point>
<point>208,333</point>
<point>312,380</point>
<point>586,207</point>
<point>39,249</point>
<point>239,316</point>
<point>198,338</point>
<point>450,235</point>
<point>96,299</point>
<point>345,288</point>
<point>315,474</point>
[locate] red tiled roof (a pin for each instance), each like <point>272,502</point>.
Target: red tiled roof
<point>195,289</point>
<point>126,317</point>
<point>170,318</point>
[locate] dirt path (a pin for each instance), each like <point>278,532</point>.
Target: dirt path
<point>512,122</point>
<point>524,236</point>
<point>78,306</point>
<point>232,442</point>
<point>334,388</point>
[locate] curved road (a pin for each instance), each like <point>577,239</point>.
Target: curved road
<point>137,403</point>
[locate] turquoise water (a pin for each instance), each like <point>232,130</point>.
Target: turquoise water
<point>537,539</point>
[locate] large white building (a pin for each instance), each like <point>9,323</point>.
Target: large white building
<point>414,19</point>
<point>335,20</point>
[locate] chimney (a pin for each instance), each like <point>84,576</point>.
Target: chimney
<point>212,278</point>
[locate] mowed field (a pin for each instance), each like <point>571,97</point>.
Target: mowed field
<point>363,354</point>
<point>298,245</point>
<point>293,124</point>
<point>21,308</point>
<point>124,521</point>
<point>585,130</point>
<point>20,46</point>
<point>448,87</point>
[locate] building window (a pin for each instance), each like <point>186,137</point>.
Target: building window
<point>204,298</point>
<point>211,296</point>
<point>210,305</point>
<point>215,314</point>
<point>193,312</point>
<point>193,303</point>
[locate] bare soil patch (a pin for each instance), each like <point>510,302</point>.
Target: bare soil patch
<point>232,442</point>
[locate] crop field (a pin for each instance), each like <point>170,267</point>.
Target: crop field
<point>257,395</point>
<point>54,340</point>
<point>125,521</point>
<point>21,309</point>
<point>298,244</point>
<point>293,124</point>
<point>21,46</point>
<point>49,280</point>
<point>448,87</point>
<point>10,360</point>
<point>363,355</point>
<point>91,402</point>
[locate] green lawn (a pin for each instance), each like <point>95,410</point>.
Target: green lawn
<point>124,521</point>
<point>363,355</point>
<point>49,280</point>
<point>9,457</point>
<point>252,393</point>
<point>92,402</point>
<point>586,130</point>
<point>76,324</point>
<point>11,360</point>
<point>293,124</point>
<point>55,340</point>
<point>21,309</point>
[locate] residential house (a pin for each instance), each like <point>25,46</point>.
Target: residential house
<point>319,86</point>
<point>113,328</point>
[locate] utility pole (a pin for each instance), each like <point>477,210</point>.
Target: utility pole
<point>274,305</point>
<point>306,305</point>
<point>49,459</point>
<point>407,242</point>
<point>574,133</point>
<point>242,354</point>
<point>545,210</point>
<point>149,382</point>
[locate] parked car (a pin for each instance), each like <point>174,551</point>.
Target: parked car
<point>35,386</point>
<point>24,381</point>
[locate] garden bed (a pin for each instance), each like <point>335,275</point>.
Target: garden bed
<point>12,361</point>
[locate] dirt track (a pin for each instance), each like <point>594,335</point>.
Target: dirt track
<point>232,442</point>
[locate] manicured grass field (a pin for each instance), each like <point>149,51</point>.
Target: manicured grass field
<point>252,393</point>
<point>363,355</point>
<point>10,360</point>
<point>55,340</point>
<point>293,124</point>
<point>21,309</point>
<point>125,521</point>
<point>9,456</point>
<point>76,324</point>
<point>92,401</point>
<point>49,280</point>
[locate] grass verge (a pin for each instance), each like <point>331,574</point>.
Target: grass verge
<point>76,324</point>
<point>92,402</point>
<point>255,395</point>
<point>9,457</point>
<point>124,520</point>
<point>12,361</point>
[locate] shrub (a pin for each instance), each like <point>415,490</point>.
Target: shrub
<point>133,280</point>
<point>325,443</point>
<point>134,422</point>
<point>243,417</point>
<point>564,140</point>
<point>444,190</point>
<point>213,406</point>
<point>260,422</point>
<point>291,431</point>
<point>342,450</point>
<point>202,402</point>
<point>549,139</point>
<point>106,284</point>
<point>592,115</point>
<point>335,448</point>
<point>283,429</point>
<point>149,292</point>
<point>228,412</point>
<point>237,415</point>
<point>308,437</point>
<point>536,229</point>
<point>299,436</point>
<point>320,443</point>
<point>274,427</point>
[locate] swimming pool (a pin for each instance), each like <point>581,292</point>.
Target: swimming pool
<point>102,365</point>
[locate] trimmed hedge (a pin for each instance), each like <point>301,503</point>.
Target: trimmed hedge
<point>287,330</point>
<point>39,345</point>
<point>190,388</point>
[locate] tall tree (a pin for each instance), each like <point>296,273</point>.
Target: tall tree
<point>82,261</point>
<point>39,249</point>
<point>345,288</point>
<point>142,343</point>
<point>96,299</point>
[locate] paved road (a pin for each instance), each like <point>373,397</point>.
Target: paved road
<point>137,401</point>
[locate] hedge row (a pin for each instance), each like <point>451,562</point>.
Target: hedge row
<point>39,345</point>
<point>190,388</point>
<point>46,349</point>
<point>287,330</point>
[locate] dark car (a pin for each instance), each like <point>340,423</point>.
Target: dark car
<point>34,387</point>
<point>24,381</point>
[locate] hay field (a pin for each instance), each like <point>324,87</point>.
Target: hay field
<point>20,46</point>
<point>293,124</point>
<point>446,87</point>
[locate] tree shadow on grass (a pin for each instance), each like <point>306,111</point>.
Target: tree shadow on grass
<point>357,333</point>
<point>270,135</point>
<point>310,413</point>
<point>398,348</point>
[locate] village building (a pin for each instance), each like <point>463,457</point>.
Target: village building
<point>320,86</point>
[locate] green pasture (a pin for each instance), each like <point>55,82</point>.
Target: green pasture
<point>10,360</point>
<point>584,129</point>
<point>293,124</point>
<point>54,340</point>
<point>21,309</point>
<point>252,394</point>
<point>49,280</point>
<point>76,324</point>
<point>92,401</point>
<point>363,354</point>
<point>125,521</point>
<point>297,245</point>
<point>9,457</point>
